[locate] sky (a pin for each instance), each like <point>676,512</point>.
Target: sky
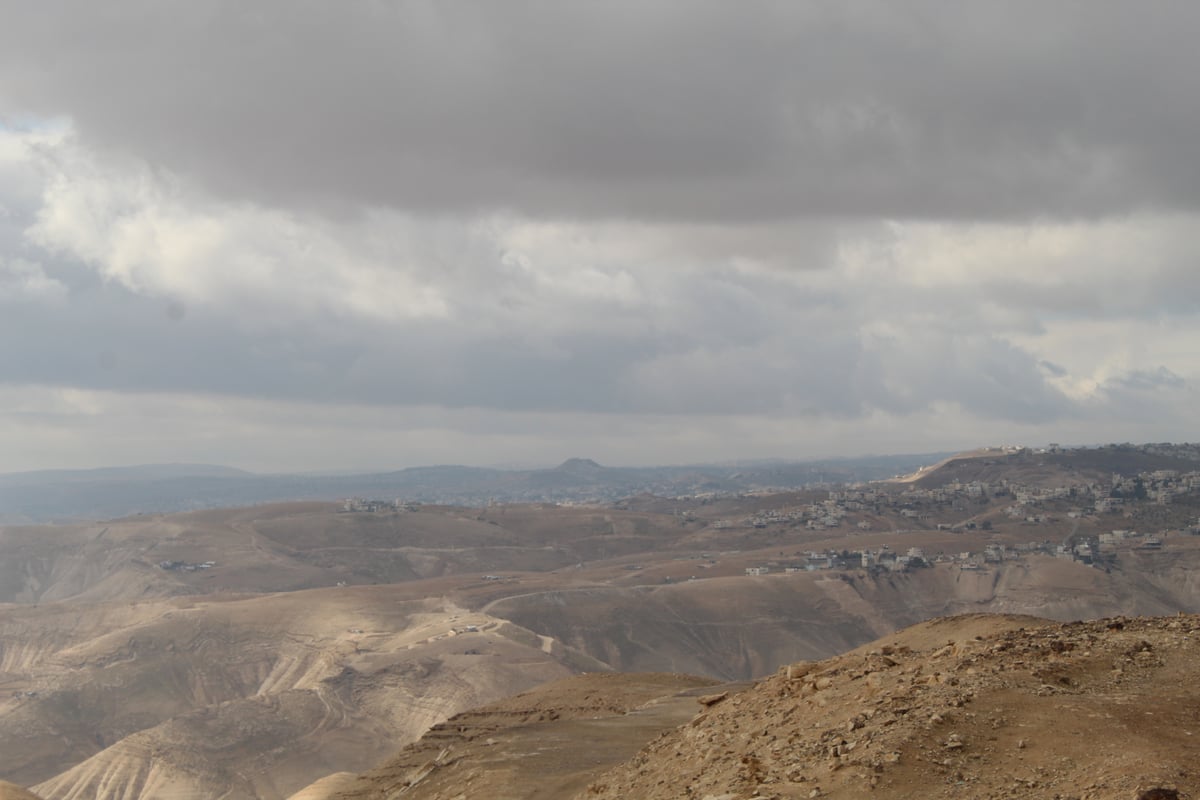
<point>293,235</point>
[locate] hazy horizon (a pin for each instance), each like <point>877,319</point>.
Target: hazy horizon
<point>508,466</point>
<point>302,237</point>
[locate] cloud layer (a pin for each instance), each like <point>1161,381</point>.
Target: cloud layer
<point>678,232</point>
<point>696,110</point>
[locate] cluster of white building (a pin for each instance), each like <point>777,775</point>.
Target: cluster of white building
<point>363,505</point>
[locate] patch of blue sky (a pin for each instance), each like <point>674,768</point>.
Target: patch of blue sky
<point>23,122</point>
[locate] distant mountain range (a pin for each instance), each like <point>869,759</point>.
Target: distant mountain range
<point>63,495</point>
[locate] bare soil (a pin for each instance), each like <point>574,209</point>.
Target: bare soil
<point>980,707</point>
<point>541,745</point>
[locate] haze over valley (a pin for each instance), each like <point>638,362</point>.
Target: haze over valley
<point>56,495</point>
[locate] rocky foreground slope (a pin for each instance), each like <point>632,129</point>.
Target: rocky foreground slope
<point>979,706</point>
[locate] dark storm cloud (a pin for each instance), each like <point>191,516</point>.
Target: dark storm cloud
<point>697,110</point>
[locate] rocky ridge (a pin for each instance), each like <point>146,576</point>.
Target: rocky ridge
<point>976,706</point>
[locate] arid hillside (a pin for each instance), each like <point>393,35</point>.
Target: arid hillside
<point>249,697</point>
<point>264,652</point>
<point>976,706</point>
<point>10,791</point>
<point>259,696</point>
<point>984,497</point>
<point>309,545</point>
<point>1052,468</point>
<point>738,628</point>
<point>540,745</point>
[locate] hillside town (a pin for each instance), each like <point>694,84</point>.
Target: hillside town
<point>1081,518</point>
<point>1083,505</point>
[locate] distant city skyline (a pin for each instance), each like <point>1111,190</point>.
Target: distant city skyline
<point>320,237</point>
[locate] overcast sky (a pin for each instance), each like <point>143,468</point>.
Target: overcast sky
<point>291,235</point>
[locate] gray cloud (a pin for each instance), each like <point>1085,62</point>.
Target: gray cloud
<point>691,111</point>
<point>1053,369</point>
<point>162,291</point>
<point>1148,380</point>
<point>720,345</point>
<point>648,231</point>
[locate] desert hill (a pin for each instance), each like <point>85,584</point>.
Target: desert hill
<point>244,697</point>
<point>259,696</point>
<point>326,787</point>
<point>1059,467</point>
<point>743,627</point>
<point>987,497</point>
<point>979,706</point>
<point>251,652</point>
<point>10,791</point>
<point>294,546</point>
<point>540,745</point>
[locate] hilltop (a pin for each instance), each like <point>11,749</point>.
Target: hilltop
<point>1055,466</point>
<point>110,493</point>
<point>980,706</point>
